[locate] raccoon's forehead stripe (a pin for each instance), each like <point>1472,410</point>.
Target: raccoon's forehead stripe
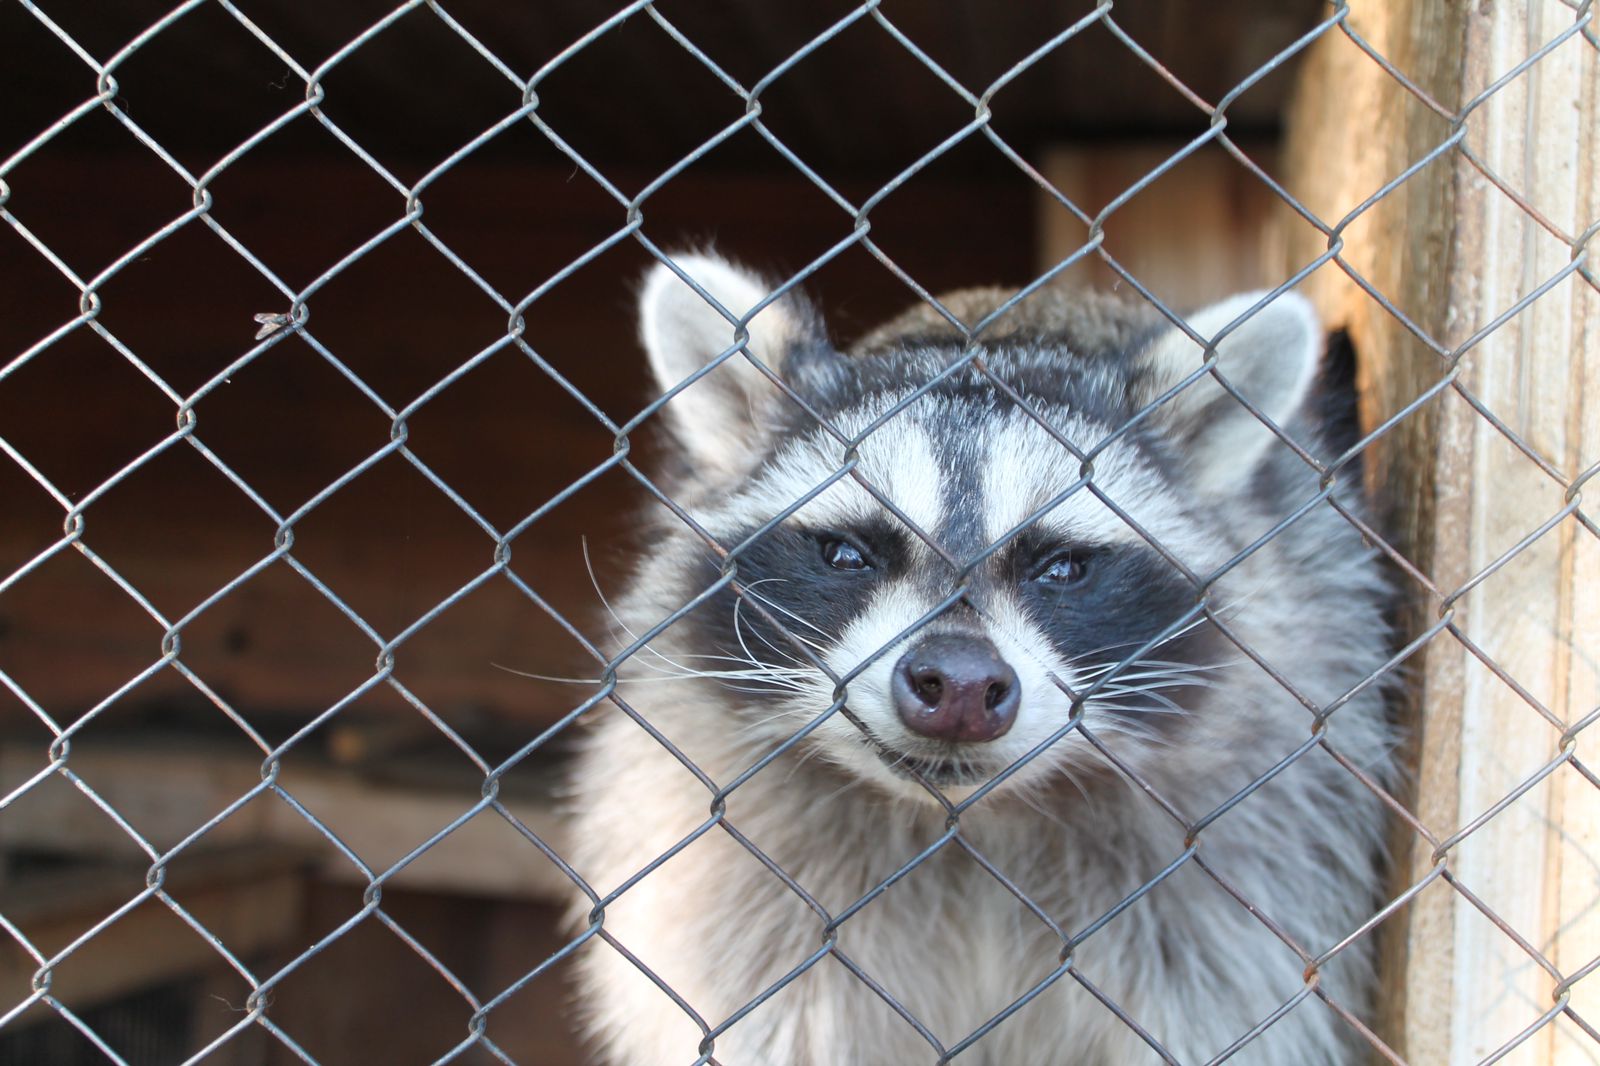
<point>1025,468</point>
<point>898,458</point>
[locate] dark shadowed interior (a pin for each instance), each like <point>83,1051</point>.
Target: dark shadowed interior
<point>509,436</point>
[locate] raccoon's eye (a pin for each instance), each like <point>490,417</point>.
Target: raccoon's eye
<point>1064,569</point>
<point>842,555</point>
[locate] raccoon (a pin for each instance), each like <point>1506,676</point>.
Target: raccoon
<point>1012,718</point>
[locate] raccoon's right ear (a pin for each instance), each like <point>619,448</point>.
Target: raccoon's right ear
<point>717,416</point>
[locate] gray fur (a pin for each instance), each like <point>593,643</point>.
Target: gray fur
<point>1187,961</point>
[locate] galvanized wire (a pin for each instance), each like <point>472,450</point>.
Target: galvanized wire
<point>293,319</point>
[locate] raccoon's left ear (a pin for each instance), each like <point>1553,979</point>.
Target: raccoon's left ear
<point>1270,357</point>
<point>718,416</point>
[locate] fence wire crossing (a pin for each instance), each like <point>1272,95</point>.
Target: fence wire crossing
<point>103,97</point>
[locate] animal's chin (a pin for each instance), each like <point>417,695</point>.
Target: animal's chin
<point>941,771</point>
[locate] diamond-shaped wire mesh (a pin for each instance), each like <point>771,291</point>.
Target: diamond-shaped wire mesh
<point>317,511</point>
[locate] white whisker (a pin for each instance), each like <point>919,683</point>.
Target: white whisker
<point>588,565</point>
<point>749,590</point>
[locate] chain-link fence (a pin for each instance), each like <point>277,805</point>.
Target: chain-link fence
<point>1427,282</point>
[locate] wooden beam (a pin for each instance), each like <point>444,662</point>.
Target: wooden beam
<point>250,898</point>
<point>1453,252</point>
<point>166,790</point>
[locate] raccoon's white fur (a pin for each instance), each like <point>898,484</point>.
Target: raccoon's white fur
<point>1074,838</point>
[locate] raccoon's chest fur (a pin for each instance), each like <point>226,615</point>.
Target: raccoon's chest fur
<point>947,941</point>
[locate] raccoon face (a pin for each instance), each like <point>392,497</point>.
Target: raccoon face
<point>925,578</point>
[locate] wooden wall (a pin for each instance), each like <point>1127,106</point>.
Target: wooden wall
<point>391,545</point>
<point>505,437</point>
<point>1485,474</point>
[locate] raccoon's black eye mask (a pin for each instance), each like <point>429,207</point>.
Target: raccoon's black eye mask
<point>1048,563</point>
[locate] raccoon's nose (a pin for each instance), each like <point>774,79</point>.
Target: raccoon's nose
<point>952,687</point>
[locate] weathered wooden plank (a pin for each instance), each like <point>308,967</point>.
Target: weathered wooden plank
<point>251,899</point>
<point>166,791</point>
<point>1452,252</point>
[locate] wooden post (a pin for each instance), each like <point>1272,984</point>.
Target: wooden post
<point>1453,251</point>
